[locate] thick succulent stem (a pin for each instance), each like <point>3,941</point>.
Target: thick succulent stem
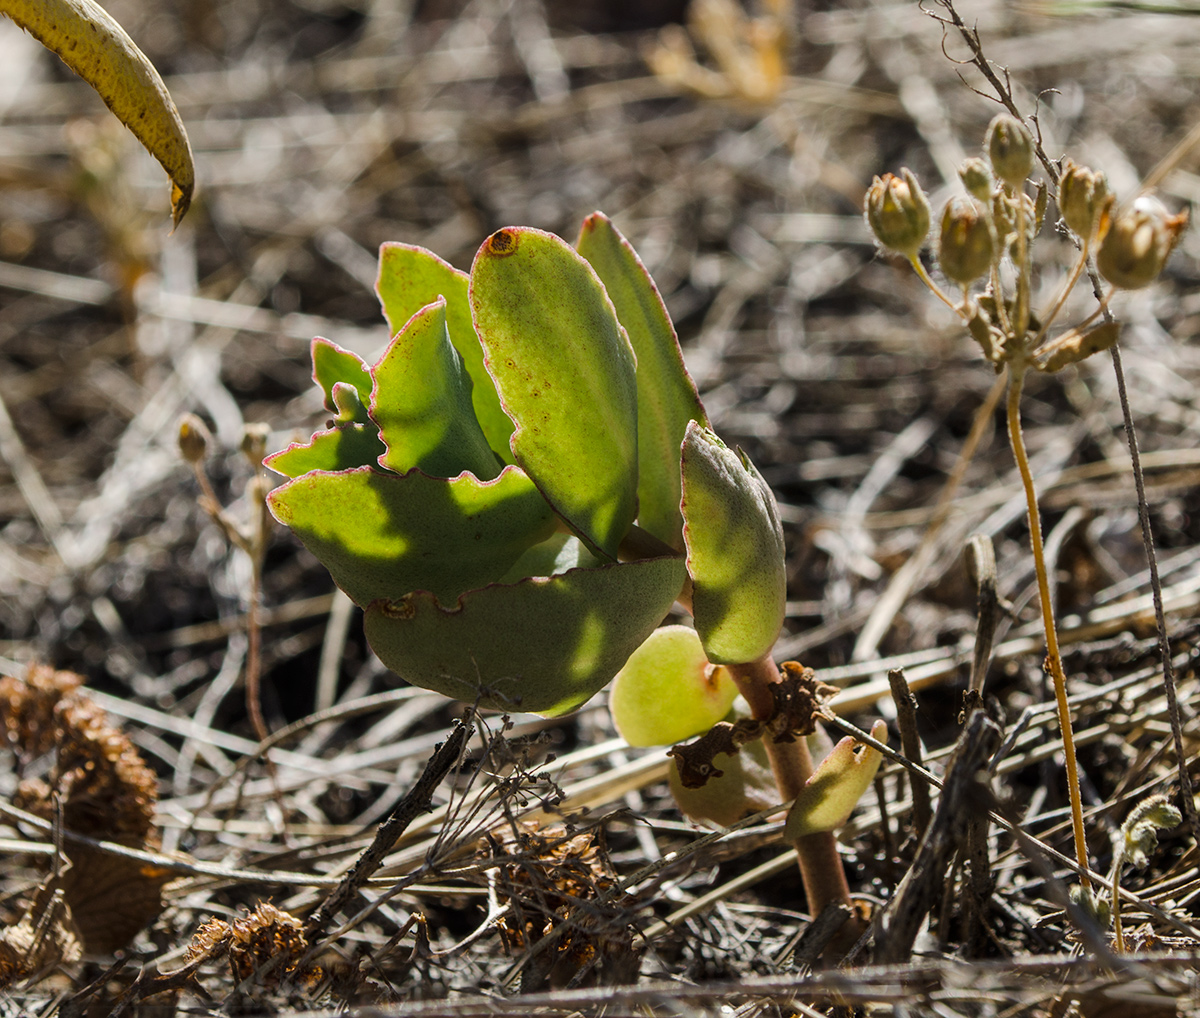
<point>820,865</point>
<point>1054,663</point>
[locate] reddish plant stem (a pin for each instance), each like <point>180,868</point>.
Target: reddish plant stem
<point>820,865</point>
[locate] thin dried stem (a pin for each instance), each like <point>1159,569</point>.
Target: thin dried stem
<point>1164,643</point>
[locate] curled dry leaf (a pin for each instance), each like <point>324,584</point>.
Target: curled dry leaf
<point>107,792</point>
<point>94,46</point>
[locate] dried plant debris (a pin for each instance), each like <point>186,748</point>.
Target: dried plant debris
<point>105,791</point>
<point>44,937</point>
<point>555,885</point>
<point>266,948</point>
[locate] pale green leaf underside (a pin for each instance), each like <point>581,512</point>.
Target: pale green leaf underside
<point>544,645</point>
<point>382,535</point>
<point>667,397</point>
<point>735,550</point>
<point>333,364</point>
<point>340,448</point>
<point>566,375</point>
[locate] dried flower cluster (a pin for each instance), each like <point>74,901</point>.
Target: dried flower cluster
<point>552,881</point>
<point>268,946</point>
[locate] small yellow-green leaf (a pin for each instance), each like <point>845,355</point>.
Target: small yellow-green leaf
<point>829,796</point>
<point>668,691</point>
<point>667,397</point>
<point>411,278</point>
<point>746,785</point>
<point>422,403</point>
<point>343,447</point>
<point>332,366</point>
<point>735,552</point>
<point>382,535</point>
<point>566,375</point>
<point>90,42</point>
<point>544,645</point>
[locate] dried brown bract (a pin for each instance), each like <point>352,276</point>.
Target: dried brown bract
<point>553,885</point>
<point>799,698</point>
<point>106,792</point>
<point>268,946</point>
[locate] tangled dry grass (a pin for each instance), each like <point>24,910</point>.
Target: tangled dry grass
<point>553,875</point>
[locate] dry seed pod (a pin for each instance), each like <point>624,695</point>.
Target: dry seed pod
<point>194,438</point>
<point>1083,198</point>
<point>898,212</point>
<point>1009,146</point>
<point>1074,346</point>
<point>965,243</point>
<point>1137,244</point>
<point>977,178</point>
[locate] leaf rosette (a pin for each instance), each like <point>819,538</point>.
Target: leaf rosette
<point>500,490</point>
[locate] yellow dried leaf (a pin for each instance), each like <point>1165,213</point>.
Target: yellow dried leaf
<point>95,47</point>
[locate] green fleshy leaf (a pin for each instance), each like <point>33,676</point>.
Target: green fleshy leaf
<point>340,448</point>
<point>422,403</point>
<point>334,366</point>
<point>544,645</point>
<point>830,795</point>
<point>667,691</point>
<point>352,440</point>
<point>566,375</point>
<point>556,555</point>
<point>735,550</point>
<point>383,535</point>
<point>411,278</point>
<point>667,397</point>
<point>746,785</point>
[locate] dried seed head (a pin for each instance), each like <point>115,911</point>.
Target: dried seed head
<point>194,438</point>
<point>1004,215</point>
<point>1083,198</point>
<point>1136,246</point>
<point>965,243</point>
<point>977,178</point>
<point>1140,830</point>
<point>1009,146</point>
<point>898,212</point>
<point>254,442</point>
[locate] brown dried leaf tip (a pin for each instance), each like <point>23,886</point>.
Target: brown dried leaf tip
<point>799,699</point>
<point>107,792</point>
<point>553,882</point>
<point>268,946</point>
